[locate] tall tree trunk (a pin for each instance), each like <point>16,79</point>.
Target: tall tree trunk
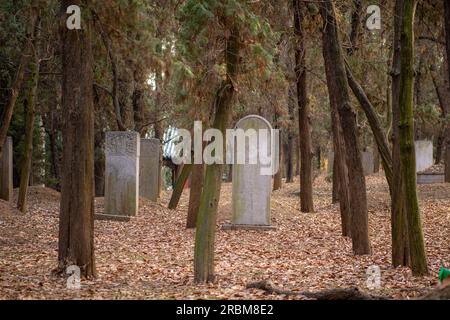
<point>159,128</point>
<point>289,149</point>
<point>50,128</point>
<point>195,194</point>
<point>289,158</point>
<point>114,93</point>
<point>439,142</point>
<point>76,220</point>
<point>335,186</point>
<point>25,167</point>
<point>138,102</point>
<point>99,164</point>
<point>443,98</point>
<point>355,31</point>
<point>399,228</point>
<point>207,214</point>
<point>406,134</point>
<point>319,157</point>
<point>277,179</point>
<point>179,185</point>
<point>417,96</point>
<point>341,189</point>
<point>375,125</point>
<point>447,47</point>
<point>338,86</point>
<point>297,156</point>
<point>306,154</point>
<point>18,79</point>
<point>54,158</point>
<point>376,159</point>
<point>447,154</point>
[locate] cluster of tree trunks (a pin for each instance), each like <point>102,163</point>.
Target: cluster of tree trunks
<point>399,164</point>
<point>344,115</point>
<point>375,125</point>
<point>33,16</point>
<point>77,184</point>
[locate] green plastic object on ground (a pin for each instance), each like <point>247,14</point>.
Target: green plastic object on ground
<point>443,274</point>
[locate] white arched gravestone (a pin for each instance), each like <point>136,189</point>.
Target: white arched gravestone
<point>424,154</point>
<point>252,182</point>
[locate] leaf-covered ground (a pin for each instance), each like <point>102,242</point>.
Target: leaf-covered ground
<point>151,257</point>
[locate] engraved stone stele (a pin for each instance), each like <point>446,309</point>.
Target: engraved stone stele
<point>6,171</point>
<point>149,169</point>
<point>330,158</point>
<point>367,162</point>
<point>252,190</point>
<point>424,154</point>
<point>122,150</point>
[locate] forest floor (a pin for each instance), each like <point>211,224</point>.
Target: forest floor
<point>151,257</point>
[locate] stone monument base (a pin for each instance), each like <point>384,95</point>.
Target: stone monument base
<point>111,217</point>
<point>430,178</point>
<point>229,226</point>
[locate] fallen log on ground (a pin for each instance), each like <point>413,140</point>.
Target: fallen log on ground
<point>352,293</point>
<point>438,294</point>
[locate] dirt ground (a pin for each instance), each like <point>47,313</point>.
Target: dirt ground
<point>151,257</point>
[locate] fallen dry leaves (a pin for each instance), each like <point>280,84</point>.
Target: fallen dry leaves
<point>151,257</point>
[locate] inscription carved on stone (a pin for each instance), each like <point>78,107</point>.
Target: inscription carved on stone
<point>122,173</point>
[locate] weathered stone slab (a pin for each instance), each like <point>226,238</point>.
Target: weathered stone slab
<point>149,169</point>
<point>229,226</point>
<point>367,162</point>
<point>424,154</point>
<point>6,171</point>
<point>430,178</point>
<point>122,173</point>
<point>330,159</point>
<point>111,217</point>
<point>251,189</point>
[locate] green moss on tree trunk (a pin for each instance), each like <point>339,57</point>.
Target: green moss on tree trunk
<point>195,194</point>
<point>406,135</point>
<point>207,214</point>
<point>25,167</point>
